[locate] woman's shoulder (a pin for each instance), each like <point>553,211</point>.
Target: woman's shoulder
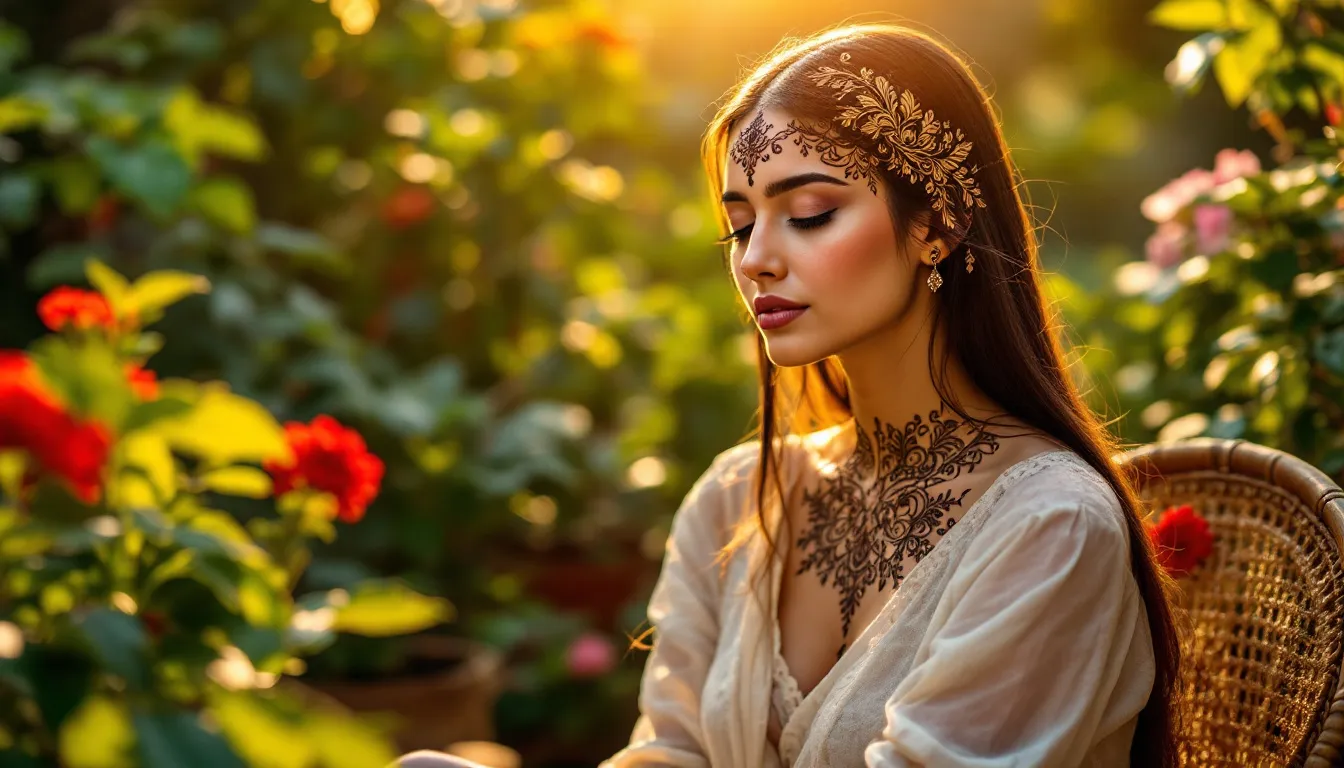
<point>1061,484</point>
<point>723,496</point>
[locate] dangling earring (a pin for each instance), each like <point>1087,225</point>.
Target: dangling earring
<point>935,279</point>
<point>970,261</point>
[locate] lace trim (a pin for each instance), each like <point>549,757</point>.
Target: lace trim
<point>786,696</point>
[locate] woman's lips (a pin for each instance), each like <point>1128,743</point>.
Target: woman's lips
<point>778,318</point>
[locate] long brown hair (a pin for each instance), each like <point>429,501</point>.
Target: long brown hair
<point>996,320</point>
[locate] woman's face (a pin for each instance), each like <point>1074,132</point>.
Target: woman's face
<point>808,235</point>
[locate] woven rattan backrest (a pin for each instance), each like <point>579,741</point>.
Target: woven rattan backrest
<point>1262,654</point>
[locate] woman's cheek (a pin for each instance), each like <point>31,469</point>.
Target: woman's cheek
<point>850,257</point>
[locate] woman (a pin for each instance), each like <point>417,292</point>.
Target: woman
<point>927,559</point>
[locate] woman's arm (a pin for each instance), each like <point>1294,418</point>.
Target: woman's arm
<point>1041,651</point>
<point>684,610</point>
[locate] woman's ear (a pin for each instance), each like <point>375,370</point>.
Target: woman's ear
<point>923,244</point>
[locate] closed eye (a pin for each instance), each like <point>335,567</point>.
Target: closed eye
<point>736,236</point>
<point>806,222</point>
<point>812,222</point>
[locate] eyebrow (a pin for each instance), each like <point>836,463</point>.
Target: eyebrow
<point>777,188</point>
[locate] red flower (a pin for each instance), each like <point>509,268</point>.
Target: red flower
<point>329,457</point>
<point>407,206</point>
<point>143,382</point>
<point>31,419</point>
<point>1182,538</point>
<point>1333,115</point>
<point>74,306</point>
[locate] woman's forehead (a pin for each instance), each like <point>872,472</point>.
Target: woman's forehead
<point>762,148</point>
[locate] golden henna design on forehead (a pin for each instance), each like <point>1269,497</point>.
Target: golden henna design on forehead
<point>910,140</point>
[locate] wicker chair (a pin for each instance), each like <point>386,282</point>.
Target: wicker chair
<point>1262,654</point>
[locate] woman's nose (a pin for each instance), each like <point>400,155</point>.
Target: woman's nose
<point>762,258</point>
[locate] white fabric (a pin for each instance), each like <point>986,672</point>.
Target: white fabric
<point>1021,640</point>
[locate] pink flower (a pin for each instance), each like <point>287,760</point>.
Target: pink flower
<point>1163,205</point>
<point>590,655</point>
<point>1232,164</point>
<point>1229,164</point>
<point>1213,227</point>
<point>1165,247</point>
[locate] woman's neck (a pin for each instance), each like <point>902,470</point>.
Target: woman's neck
<point>889,391</point>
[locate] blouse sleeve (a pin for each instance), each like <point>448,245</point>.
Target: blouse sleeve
<point>1022,664</point>
<point>684,611</point>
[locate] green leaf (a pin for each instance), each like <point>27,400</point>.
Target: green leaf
<point>60,678</point>
<point>154,292</point>
<point>223,577</point>
<point>265,736</point>
<point>108,282</point>
<point>17,113</point>
<point>1333,462</point>
<point>345,742</point>
<point>239,481</point>
<point>13,46</point>
<point>178,739</point>
<point>98,735</point>
<point>147,413</point>
<point>151,172</point>
<point>1325,61</point>
<point>226,202</point>
<point>88,376</point>
<point>119,642</point>
<point>385,608</point>
<point>201,41</point>
<point>222,526</point>
<point>1189,15</point>
<point>199,128</point>
<point>316,515</point>
<point>118,49</point>
<point>75,183</point>
<point>63,264</point>
<point>26,540</point>
<point>307,249</point>
<point>1243,60</point>
<point>225,428</point>
<point>1275,267</point>
<point>19,194</point>
<point>149,475</point>
<point>262,602</point>
<point>1329,350</point>
<point>262,645</point>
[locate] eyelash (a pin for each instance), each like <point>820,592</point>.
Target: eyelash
<point>809,222</point>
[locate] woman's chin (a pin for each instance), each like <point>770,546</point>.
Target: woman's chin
<point>792,353</point>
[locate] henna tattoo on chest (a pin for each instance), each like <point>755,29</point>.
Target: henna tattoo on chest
<point>856,537</point>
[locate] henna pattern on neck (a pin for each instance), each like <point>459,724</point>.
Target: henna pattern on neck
<point>857,537</point>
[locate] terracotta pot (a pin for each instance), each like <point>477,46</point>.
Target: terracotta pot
<point>572,581</point>
<point>447,696</point>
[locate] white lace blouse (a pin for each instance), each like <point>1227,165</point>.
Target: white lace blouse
<point>1020,640</point>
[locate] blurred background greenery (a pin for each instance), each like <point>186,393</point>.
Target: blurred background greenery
<point>476,231</point>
